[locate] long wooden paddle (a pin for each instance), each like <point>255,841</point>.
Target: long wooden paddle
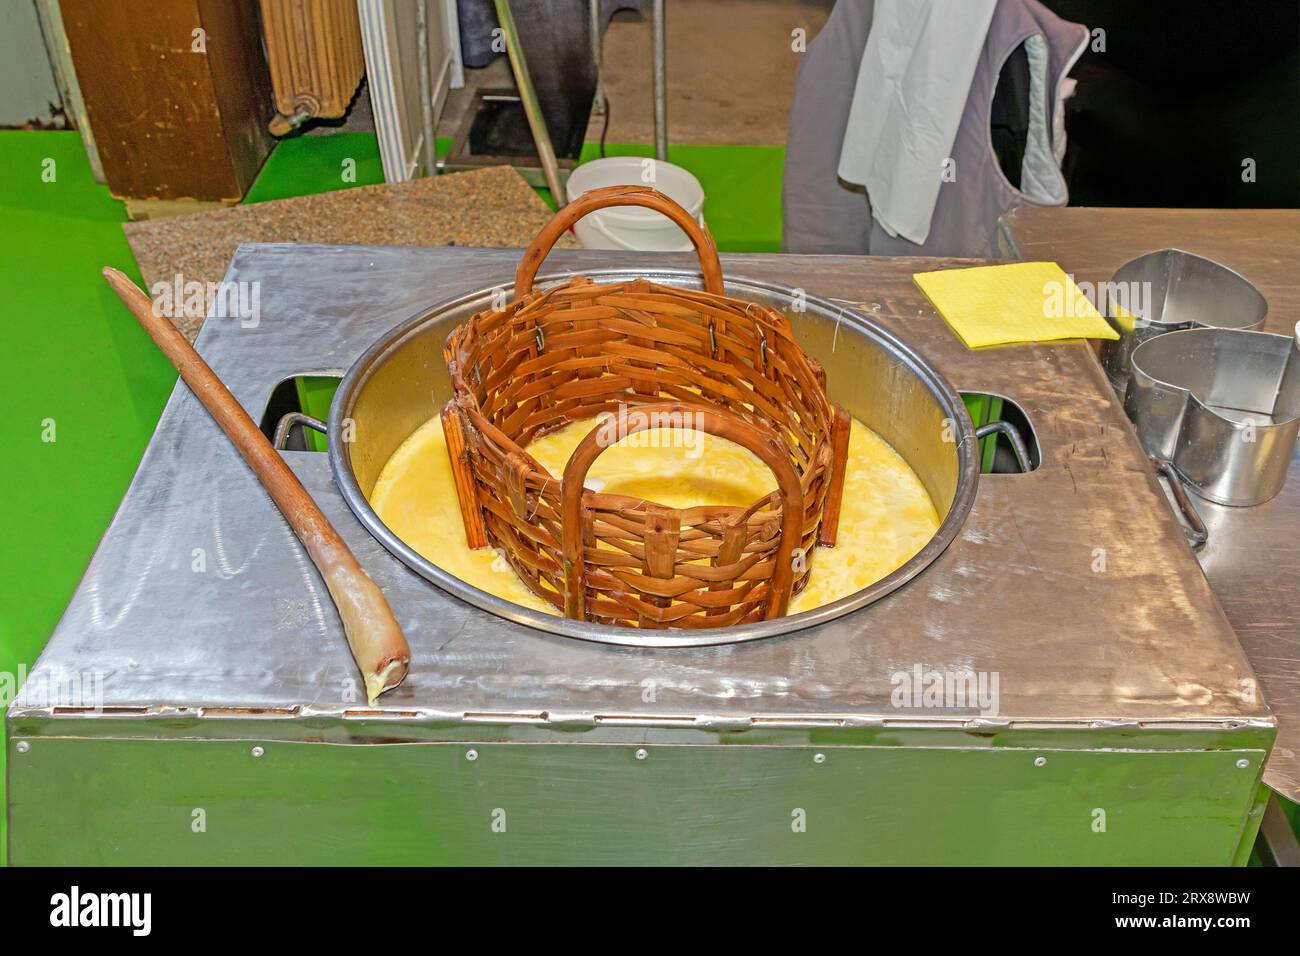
<point>376,639</point>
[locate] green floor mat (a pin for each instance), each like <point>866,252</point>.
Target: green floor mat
<point>742,184</point>
<point>306,165</point>
<point>81,372</point>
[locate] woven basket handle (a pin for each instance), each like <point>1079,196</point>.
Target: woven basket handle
<point>789,492</point>
<point>620,196</point>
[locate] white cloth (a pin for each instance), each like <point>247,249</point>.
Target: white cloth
<point>912,87</point>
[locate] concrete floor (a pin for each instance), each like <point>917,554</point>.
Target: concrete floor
<point>731,73</point>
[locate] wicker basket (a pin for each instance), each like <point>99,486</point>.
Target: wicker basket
<point>650,355</point>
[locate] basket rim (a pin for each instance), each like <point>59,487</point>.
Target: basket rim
<point>465,304</point>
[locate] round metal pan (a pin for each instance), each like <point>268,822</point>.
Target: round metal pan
<point>401,382</point>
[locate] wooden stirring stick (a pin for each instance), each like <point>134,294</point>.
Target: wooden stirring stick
<point>376,639</point>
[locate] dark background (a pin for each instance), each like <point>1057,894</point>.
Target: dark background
<point>1182,94</point>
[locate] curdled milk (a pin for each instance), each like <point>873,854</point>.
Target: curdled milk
<point>886,517</point>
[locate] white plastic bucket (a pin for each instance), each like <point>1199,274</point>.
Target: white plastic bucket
<point>631,227</point>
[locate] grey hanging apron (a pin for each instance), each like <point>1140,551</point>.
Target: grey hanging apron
<point>969,204</point>
<point>822,214</point>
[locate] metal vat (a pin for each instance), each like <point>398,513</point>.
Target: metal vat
<point>401,381</point>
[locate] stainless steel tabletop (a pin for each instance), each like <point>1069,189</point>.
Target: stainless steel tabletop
<point>1252,558</point>
<point>1073,584</point>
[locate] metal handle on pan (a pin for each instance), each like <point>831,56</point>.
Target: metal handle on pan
<point>285,425</point>
<point>1013,436</point>
<point>1197,533</point>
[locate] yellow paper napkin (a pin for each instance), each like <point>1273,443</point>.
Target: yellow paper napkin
<point>1017,302</point>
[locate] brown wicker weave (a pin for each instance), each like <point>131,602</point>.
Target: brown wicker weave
<point>650,355</point>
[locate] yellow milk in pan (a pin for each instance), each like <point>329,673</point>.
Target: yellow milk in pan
<point>886,517</point>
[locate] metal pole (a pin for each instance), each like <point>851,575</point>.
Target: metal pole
<point>426,86</point>
<point>597,42</point>
<point>532,106</point>
<point>1278,846</point>
<point>661,82</point>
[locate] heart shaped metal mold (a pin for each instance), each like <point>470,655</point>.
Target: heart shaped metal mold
<point>1222,406</point>
<point>1168,290</point>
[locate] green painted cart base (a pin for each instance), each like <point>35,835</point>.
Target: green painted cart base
<point>528,796</point>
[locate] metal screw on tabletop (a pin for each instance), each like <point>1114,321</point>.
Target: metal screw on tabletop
<point>819,758</point>
<point>23,746</point>
<point>258,751</point>
<point>471,754</point>
<point>641,753</point>
<point>1040,761</point>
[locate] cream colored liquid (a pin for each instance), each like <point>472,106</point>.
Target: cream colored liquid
<point>886,517</point>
